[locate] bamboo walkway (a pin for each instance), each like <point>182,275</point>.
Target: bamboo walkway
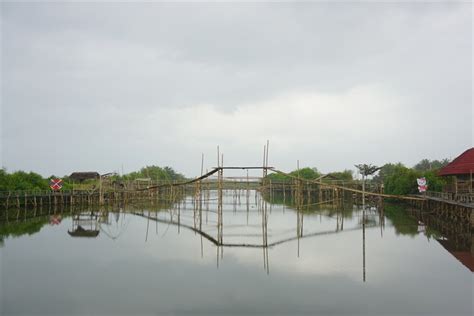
<point>303,180</point>
<point>451,202</point>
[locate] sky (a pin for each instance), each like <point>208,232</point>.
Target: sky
<point>103,86</point>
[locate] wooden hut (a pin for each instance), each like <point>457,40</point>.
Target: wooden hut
<point>82,176</point>
<point>461,169</point>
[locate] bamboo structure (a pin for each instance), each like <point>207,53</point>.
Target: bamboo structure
<point>303,193</point>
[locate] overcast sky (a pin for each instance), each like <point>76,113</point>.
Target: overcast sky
<point>94,86</point>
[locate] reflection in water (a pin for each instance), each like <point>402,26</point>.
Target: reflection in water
<point>85,224</point>
<point>180,216</point>
<point>188,213</point>
<point>316,253</point>
<point>113,223</point>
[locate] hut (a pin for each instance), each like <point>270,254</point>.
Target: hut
<point>82,176</point>
<point>461,169</point>
<point>85,224</point>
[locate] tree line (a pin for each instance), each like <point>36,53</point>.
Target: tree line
<point>31,181</point>
<point>396,178</point>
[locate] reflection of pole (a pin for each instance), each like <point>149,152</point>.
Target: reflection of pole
<point>217,257</point>
<point>363,245</point>
<point>248,197</point>
<point>363,227</point>
<point>147,226</point>
<point>264,210</point>
<point>202,249</point>
<point>262,202</point>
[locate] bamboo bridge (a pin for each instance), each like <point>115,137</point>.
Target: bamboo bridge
<point>303,192</point>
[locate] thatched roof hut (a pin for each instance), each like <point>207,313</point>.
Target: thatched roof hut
<point>81,176</point>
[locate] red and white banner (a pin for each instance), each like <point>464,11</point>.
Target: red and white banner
<point>56,184</point>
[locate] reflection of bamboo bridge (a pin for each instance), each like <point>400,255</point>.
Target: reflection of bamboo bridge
<point>245,245</point>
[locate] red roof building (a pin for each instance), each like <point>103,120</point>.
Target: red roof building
<point>462,165</point>
<point>462,170</point>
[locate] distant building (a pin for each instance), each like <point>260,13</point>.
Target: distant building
<point>82,176</point>
<point>461,169</point>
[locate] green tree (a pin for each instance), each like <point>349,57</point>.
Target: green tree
<point>345,175</point>
<point>155,173</point>
<point>435,183</point>
<point>401,181</point>
<point>427,165</point>
<point>304,173</point>
<point>21,180</point>
<point>387,170</point>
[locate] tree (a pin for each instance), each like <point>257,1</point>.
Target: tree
<point>154,173</point>
<point>402,181</point>
<point>387,170</point>
<point>367,170</point>
<point>345,175</point>
<point>21,180</point>
<point>304,173</point>
<point>426,164</point>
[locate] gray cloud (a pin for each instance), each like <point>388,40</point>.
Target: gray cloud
<point>93,86</point>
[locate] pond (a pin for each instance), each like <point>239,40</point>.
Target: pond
<point>334,259</point>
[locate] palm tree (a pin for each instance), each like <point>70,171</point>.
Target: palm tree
<point>366,170</point>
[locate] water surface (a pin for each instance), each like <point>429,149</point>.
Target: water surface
<point>333,260</point>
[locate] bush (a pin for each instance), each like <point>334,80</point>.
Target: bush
<point>402,180</point>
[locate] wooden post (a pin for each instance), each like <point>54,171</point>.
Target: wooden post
<point>220,164</point>
<point>455,187</point>
<point>101,197</point>
<point>264,174</point>
<point>470,181</point>
<point>363,192</point>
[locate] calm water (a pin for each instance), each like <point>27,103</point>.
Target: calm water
<point>136,265</point>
